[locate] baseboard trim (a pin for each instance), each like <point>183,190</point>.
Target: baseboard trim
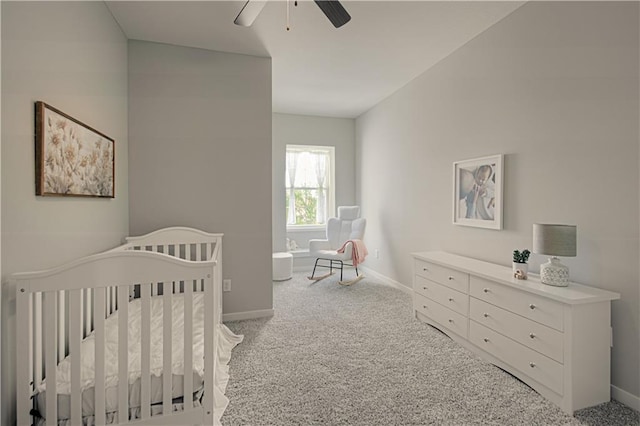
<point>628,399</point>
<point>387,280</point>
<point>239,316</point>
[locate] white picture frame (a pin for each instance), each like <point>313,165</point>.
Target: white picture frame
<point>477,192</point>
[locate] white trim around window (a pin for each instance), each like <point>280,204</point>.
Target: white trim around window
<point>309,178</point>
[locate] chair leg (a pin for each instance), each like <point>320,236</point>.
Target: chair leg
<point>314,268</point>
<point>357,275</point>
<point>341,268</point>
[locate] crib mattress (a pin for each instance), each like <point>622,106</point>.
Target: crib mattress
<point>111,399</point>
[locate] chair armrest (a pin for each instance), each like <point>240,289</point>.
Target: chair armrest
<point>315,245</point>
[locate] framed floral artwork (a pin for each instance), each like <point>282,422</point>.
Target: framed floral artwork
<point>477,188</point>
<point>72,159</point>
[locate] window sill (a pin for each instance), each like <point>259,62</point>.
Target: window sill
<point>302,228</point>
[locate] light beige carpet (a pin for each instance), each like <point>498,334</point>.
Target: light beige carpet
<point>335,355</point>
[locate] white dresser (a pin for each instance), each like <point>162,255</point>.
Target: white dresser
<point>555,339</point>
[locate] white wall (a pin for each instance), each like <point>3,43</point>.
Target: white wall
<point>200,156</point>
<point>554,87</point>
<point>291,129</point>
<point>74,57</point>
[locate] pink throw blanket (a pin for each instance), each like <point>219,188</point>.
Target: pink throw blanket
<point>358,251</point>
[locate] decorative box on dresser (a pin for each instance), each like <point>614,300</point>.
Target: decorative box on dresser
<point>555,339</point>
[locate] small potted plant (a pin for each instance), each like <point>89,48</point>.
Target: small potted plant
<point>520,266</point>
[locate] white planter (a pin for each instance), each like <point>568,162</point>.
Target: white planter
<point>520,270</point>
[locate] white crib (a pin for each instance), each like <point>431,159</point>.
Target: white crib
<point>74,327</point>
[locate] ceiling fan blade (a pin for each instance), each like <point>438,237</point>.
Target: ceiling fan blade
<point>249,12</point>
<point>334,11</point>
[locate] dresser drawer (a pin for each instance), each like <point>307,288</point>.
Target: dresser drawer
<point>536,336</point>
<point>535,365</point>
<point>534,307</point>
<point>442,275</point>
<point>446,317</point>
<point>446,296</point>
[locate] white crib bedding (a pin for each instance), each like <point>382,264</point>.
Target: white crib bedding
<point>111,358</point>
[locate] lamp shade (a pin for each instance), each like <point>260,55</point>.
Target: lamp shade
<point>554,240</point>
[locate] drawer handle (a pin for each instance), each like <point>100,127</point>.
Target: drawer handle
<point>532,335</point>
<point>424,306</point>
<point>451,278</point>
<point>486,290</point>
<point>486,340</point>
<point>451,299</point>
<point>486,315</point>
<point>425,288</point>
<point>425,269</point>
<point>532,364</point>
<point>450,320</point>
<point>532,306</point>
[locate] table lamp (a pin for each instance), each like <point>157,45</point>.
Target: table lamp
<point>554,240</point>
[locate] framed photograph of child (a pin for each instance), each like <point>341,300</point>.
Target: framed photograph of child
<point>477,189</point>
<point>72,159</point>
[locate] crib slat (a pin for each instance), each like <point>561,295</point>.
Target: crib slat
<point>23,342</point>
<point>187,252</point>
<point>37,339</point>
<point>176,250</point>
<point>99,316</point>
<point>199,252</point>
<point>154,289</point>
<point>62,322</point>
<point>217,284</point>
<point>51,356</point>
<point>209,349</point>
<point>107,305</point>
<point>123,355</point>
<point>29,335</point>
<point>145,379</point>
<point>188,345</point>
<point>88,312</point>
<point>75,334</point>
<point>167,324</point>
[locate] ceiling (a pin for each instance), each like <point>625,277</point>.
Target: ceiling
<point>318,69</point>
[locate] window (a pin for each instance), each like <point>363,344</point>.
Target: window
<point>310,185</point>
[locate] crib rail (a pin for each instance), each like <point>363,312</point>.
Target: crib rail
<point>57,308</point>
<point>182,242</point>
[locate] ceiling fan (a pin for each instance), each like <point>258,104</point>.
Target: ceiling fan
<point>331,8</point>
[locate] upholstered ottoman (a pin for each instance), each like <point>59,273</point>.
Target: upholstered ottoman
<point>282,266</point>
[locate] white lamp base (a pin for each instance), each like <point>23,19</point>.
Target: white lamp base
<point>554,273</point>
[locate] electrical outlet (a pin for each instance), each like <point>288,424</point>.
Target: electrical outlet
<point>226,285</point>
<point>377,254</point>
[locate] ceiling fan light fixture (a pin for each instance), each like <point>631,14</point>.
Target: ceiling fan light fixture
<point>249,12</point>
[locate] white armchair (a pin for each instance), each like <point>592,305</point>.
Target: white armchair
<point>347,226</point>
